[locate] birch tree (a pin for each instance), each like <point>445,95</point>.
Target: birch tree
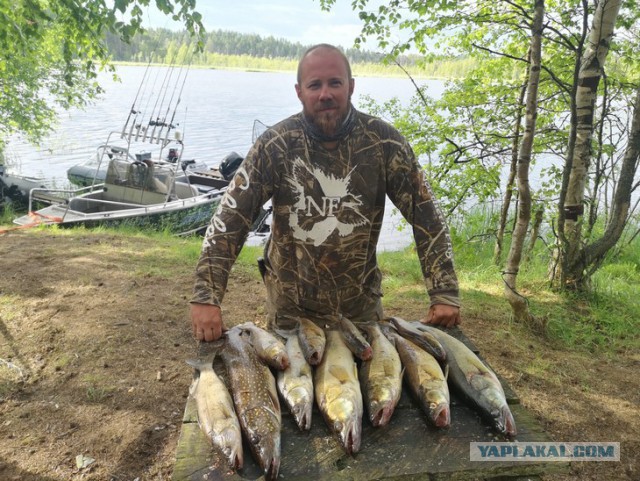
<point>518,303</point>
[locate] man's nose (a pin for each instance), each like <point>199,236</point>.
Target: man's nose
<point>325,93</point>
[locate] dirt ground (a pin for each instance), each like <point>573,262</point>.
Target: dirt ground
<point>92,351</point>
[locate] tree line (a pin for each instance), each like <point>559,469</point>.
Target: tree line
<point>161,45</point>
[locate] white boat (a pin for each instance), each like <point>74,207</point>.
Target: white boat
<point>16,188</point>
<point>94,171</point>
<point>146,181</point>
<point>143,192</point>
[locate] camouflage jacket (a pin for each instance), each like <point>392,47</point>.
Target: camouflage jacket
<point>327,214</point>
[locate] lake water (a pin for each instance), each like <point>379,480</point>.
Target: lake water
<point>216,116</point>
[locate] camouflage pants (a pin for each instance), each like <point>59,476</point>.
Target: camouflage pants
<point>282,310</point>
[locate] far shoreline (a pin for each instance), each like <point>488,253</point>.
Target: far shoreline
<point>359,70</point>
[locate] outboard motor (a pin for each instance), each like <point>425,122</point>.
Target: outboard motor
<point>230,164</point>
<point>186,163</point>
<point>172,155</point>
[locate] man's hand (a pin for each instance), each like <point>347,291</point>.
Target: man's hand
<point>206,321</point>
<point>443,315</point>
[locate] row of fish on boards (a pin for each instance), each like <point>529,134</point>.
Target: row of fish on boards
<point>311,363</point>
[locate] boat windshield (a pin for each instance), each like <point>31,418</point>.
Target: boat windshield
<point>145,175</point>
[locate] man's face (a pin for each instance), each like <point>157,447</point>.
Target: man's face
<point>325,90</point>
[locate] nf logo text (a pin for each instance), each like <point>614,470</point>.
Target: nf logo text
<point>329,204</point>
<point>544,451</point>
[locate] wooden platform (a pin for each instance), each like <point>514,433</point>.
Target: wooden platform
<point>407,449</point>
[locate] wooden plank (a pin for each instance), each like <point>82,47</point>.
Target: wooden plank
<point>409,448</point>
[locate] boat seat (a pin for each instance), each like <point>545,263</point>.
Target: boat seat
<point>182,190</point>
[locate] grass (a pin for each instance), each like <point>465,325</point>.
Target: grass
<point>604,320</point>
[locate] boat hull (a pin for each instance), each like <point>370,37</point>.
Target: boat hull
<point>182,217</point>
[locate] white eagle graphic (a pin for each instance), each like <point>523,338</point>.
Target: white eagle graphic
<point>338,208</point>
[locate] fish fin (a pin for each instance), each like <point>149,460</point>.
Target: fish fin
<point>286,333</point>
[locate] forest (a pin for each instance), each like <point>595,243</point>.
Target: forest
<point>232,50</point>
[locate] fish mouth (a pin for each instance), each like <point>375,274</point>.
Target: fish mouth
<point>350,437</point>
<point>505,422</point>
<point>382,416</point>
<point>271,470</point>
<point>441,415</point>
<point>235,460</point>
<point>314,358</point>
<point>302,416</point>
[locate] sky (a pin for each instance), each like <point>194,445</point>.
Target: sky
<point>294,20</point>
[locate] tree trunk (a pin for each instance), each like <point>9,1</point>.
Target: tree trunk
<point>594,253</point>
<point>519,303</point>
<point>572,274</point>
<point>535,230</point>
<point>508,193</point>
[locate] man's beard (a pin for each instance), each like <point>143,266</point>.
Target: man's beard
<point>328,123</point>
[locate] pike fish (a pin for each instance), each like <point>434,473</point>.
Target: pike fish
<point>295,383</point>
<point>312,340</point>
<point>216,415</point>
<point>268,347</point>
<point>424,339</point>
<point>425,379</point>
<point>253,389</point>
<point>476,382</point>
<point>338,392</point>
<point>354,339</point>
<point>381,377</point>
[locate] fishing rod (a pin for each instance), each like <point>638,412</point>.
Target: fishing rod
<point>135,100</point>
<point>170,125</point>
<point>165,86</point>
<point>139,126</point>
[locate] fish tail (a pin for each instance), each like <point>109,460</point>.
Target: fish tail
<point>201,363</point>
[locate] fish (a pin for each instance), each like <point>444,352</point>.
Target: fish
<point>423,339</point>
<point>312,340</point>
<point>268,347</point>
<point>338,393</point>
<point>295,383</point>
<point>253,389</point>
<point>478,384</point>
<point>354,339</point>
<point>216,415</point>
<point>380,377</point>
<point>425,378</point>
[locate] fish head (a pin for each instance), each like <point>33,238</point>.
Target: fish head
<point>230,443</point>
<point>380,412</point>
<point>350,433</point>
<point>302,415</point>
<point>381,405</point>
<point>301,406</point>
<point>266,449</point>
<point>279,357</point>
<point>440,414</point>
<point>504,422</point>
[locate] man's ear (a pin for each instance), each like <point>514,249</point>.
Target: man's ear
<point>352,84</point>
<point>298,91</point>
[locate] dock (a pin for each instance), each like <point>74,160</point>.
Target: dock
<point>408,448</point>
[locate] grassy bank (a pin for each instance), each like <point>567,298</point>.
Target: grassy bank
<point>605,321</point>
